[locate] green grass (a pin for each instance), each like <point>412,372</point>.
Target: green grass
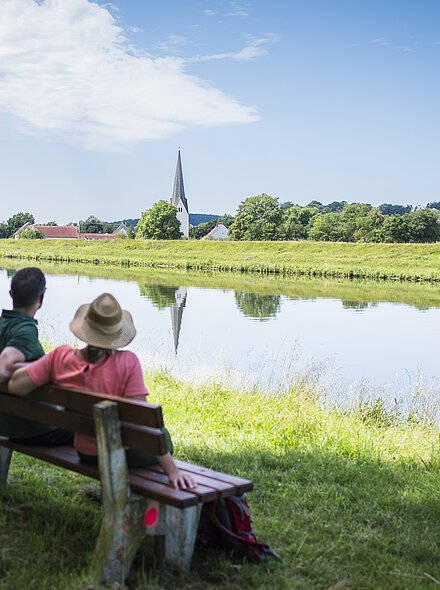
<point>350,500</point>
<point>387,261</point>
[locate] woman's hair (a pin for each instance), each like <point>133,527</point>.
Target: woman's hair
<point>93,354</point>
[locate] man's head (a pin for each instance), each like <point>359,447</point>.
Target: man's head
<point>27,288</point>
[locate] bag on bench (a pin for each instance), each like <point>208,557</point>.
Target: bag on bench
<point>227,523</point>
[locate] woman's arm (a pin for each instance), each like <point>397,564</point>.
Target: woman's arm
<point>20,383</point>
<point>178,478</point>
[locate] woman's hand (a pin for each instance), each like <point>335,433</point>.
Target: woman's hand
<point>179,479</point>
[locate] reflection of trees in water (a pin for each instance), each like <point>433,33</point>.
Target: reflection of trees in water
<point>359,305</point>
<point>161,296</point>
<point>256,305</point>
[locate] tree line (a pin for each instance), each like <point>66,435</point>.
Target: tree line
<point>263,217</point>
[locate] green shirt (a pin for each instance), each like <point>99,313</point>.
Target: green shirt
<point>21,332</point>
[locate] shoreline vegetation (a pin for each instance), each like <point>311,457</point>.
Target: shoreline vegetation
<point>349,499</point>
<point>394,262</point>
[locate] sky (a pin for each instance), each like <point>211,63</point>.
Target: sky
<point>299,99</point>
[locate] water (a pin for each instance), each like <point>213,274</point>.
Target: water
<point>351,338</point>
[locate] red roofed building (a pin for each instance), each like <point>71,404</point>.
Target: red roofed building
<point>52,232</point>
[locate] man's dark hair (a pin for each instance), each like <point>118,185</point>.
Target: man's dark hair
<point>27,286</point>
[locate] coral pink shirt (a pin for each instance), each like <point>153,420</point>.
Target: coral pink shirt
<point>119,375</point>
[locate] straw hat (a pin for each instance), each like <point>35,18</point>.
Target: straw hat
<point>103,323</point>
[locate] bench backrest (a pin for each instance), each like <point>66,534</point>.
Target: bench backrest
<point>72,410</point>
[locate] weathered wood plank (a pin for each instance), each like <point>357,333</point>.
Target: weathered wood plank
<point>133,435</point>
<point>122,526</point>
<point>178,542</point>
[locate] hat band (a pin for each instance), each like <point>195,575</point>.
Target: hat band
<point>112,329</point>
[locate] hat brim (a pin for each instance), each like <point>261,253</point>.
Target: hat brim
<point>80,327</point>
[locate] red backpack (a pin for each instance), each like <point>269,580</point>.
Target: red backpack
<point>227,523</point>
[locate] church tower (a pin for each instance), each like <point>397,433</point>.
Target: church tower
<point>179,200</point>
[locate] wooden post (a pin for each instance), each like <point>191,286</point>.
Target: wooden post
<point>122,526</point>
<point>177,545</point>
<point>5,461</point>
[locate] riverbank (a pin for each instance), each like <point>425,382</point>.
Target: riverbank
<point>349,500</point>
<point>413,262</point>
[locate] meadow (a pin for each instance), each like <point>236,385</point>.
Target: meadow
<point>417,262</point>
<point>350,500</point>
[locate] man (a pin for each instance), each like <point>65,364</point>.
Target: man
<point>19,345</point>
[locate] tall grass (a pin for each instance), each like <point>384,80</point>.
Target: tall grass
<point>387,261</point>
<point>349,500</point>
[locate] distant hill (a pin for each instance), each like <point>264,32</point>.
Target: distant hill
<point>194,219</point>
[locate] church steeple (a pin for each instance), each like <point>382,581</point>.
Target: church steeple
<point>179,189</point>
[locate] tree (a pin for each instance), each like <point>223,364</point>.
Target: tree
<point>389,209</point>
<point>395,228</point>
<point>296,223</point>
<point>327,227</point>
<point>423,225</point>
<point>159,223</point>
<point>334,207</point>
<point>370,227</point>
<point>50,223</point>
<point>4,230</point>
<point>433,205</point>
<point>258,218</point>
<point>92,225</point>
<point>31,233</point>
<point>17,221</point>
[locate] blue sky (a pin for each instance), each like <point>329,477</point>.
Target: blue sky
<point>301,99</point>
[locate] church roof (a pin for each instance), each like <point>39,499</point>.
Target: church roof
<point>179,189</point>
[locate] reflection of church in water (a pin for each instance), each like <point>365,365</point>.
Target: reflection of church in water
<point>177,314</point>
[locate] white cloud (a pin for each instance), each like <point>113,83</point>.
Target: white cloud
<point>66,68</point>
<point>382,42</point>
<point>172,44</point>
<point>255,47</point>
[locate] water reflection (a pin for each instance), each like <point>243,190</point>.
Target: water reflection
<point>258,306</point>
<point>177,313</point>
<point>217,325</point>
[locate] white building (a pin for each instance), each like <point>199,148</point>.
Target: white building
<point>219,232</point>
<point>179,200</point>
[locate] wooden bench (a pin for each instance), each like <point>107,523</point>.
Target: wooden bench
<point>135,501</point>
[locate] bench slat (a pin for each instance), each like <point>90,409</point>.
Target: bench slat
<point>149,439</point>
<point>243,485</point>
<point>66,457</point>
<point>129,410</point>
<point>202,492</point>
<point>220,488</point>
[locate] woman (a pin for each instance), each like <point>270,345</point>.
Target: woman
<point>99,367</point>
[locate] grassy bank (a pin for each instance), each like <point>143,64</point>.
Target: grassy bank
<point>389,261</point>
<point>349,501</point>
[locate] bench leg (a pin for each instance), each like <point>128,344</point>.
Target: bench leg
<point>5,461</point>
<point>177,545</point>
<point>123,526</point>
<point>122,531</point>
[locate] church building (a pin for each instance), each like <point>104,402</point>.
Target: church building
<point>179,201</point>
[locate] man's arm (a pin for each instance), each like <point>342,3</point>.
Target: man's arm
<point>20,383</point>
<point>10,359</point>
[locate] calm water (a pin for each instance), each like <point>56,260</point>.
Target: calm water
<point>354,339</point>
